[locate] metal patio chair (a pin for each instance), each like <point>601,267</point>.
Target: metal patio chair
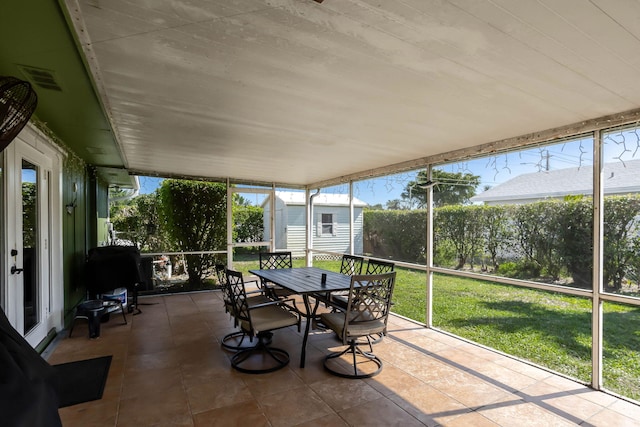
<point>366,315</point>
<point>238,340</point>
<point>258,321</point>
<point>350,265</point>
<point>274,260</point>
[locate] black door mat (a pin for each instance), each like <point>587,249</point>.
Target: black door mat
<point>82,381</point>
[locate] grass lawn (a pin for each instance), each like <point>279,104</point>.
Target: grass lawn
<point>547,328</point>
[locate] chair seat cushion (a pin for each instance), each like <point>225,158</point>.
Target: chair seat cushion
<point>339,299</point>
<point>336,320</point>
<point>269,318</point>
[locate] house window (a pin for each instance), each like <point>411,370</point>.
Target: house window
<point>327,224</point>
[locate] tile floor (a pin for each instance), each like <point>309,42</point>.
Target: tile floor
<point>168,369</point>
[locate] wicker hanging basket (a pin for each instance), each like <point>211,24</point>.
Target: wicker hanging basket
<point>18,101</point>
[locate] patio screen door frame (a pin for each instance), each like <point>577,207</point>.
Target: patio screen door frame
<point>270,199</point>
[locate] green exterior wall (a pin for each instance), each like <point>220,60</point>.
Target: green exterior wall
<point>74,223</point>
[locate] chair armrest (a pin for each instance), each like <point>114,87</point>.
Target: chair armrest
<point>266,304</point>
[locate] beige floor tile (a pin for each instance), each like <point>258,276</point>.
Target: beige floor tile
<point>151,383</point>
<point>217,392</point>
<point>331,420</point>
<point>138,362</point>
<point>609,418</point>
<point>342,393</point>
<point>272,383</point>
<point>569,403</point>
<point>100,413</point>
<point>625,408</point>
<point>393,380</point>
<point>165,407</point>
<point>429,405</point>
<point>379,412</point>
<point>525,414</point>
<point>240,415</point>
<point>168,368</point>
<point>474,419</point>
<point>470,390</point>
<point>500,376</point>
<point>293,406</point>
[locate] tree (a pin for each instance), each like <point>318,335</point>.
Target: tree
<point>497,232</point>
<point>575,242</point>
<point>248,223</point>
<point>395,204</point>
<point>137,220</point>
<point>538,231</point>
<point>620,238</point>
<point>29,214</point>
<point>462,227</point>
<point>195,216</point>
<point>450,189</point>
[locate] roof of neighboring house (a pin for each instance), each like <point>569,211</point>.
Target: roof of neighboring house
<point>324,199</point>
<point>619,178</point>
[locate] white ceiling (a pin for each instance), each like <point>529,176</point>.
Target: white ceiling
<point>292,91</point>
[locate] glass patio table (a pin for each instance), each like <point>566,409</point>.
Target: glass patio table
<point>307,282</point>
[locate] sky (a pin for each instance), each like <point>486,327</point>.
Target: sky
<point>492,170</point>
<point>149,184</point>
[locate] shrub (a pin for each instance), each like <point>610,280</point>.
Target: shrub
<point>508,269</point>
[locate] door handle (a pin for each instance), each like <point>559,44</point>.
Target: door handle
<point>16,270</point>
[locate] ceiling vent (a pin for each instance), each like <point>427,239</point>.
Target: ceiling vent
<point>40,77</point>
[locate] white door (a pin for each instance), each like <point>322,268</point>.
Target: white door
<point>27,279</point>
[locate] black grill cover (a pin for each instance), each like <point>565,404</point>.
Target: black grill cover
<point>28,387</point>
<point>112,267</point>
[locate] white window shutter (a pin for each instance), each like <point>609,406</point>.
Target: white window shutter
<point>319,229</point>
<point>335,228</point>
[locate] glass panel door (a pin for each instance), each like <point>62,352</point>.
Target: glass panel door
<point>30,233</point>
<point>26,288</point>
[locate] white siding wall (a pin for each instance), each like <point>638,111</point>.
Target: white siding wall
<point>295,231</point>
<point>282,213</point>
<point>339,242</point>
<point>281,224</point>
<point>358,233</point>
<point>290,228</point>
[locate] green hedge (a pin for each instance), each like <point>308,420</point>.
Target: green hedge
<point>547,239</point>
<point>397,234</point>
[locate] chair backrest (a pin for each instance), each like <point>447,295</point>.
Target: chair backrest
<point>378,267</point>
<point>274,260</point>
<point>351,265</point>
<point>368,304</point>
<point>221,274</point>
<point>238,294</point>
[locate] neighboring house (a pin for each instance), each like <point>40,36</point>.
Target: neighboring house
<point>330,226</point>
<point>619,178</point>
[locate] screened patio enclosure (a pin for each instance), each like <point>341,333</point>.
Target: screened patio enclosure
<point>334,96</point>
<point>548,243</point>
